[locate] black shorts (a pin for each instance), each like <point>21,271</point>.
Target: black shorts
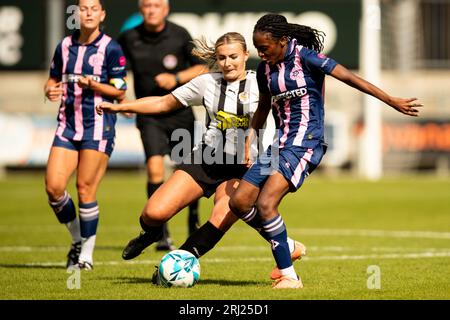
<point>210,176</point>
<point>156,131</point>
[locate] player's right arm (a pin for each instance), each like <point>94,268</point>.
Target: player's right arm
<point>53,89</point>
<point>147,105</point>
<point>258,120</point>
<point>407,106</point>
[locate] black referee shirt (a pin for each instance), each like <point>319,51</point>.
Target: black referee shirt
<point>150,54</point>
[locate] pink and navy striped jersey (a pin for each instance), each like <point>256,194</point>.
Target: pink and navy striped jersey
<point>297,88</point>
<point>104,62</point>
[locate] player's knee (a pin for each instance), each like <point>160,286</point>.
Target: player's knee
<point>154,214</point>
<point>238,204</point>
<point>265,208</point>
<point>54,190</point>
<point>86,192</point>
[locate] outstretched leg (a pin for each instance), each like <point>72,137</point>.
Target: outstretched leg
<point>175,194</point>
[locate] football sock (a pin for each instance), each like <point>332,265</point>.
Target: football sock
<point>151,188</point>
<point>291,245</point>
<point>87,249</point>
<point>193,219</point>
<point>254,221</point>
<point>89,214</point>
<point>64,209</point>
<point>275,230</point>
<point>154,233</point>
<point>202,240</point>
<point>74,229</point>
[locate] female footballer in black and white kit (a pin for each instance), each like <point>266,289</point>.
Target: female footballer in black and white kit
<point>214,167</point>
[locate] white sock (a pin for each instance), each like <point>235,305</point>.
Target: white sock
<point>291,245</point>
<point>289,273</point>
<point>87,249</point>
<point>74,229</point>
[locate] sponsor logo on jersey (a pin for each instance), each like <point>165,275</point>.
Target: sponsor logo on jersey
<point>296,93</point>
<point>326,59</point>
<point>122,61</point>
<point>118,68</point>
<point>73,78</point>
<point>170,61</point>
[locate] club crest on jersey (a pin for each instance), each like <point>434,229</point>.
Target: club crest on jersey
<point>95,60</point>
<point>243,97</point>
<point>170,61</point>
<point>295,74</point>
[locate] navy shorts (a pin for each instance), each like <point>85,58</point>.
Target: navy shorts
<point>105,146</point>
<point>294,163</point>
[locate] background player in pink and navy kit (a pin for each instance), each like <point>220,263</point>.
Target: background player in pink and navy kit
<point>88,67</point>
<point>291,83</point>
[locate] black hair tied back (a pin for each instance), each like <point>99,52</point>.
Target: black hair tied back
<point>278,26</point>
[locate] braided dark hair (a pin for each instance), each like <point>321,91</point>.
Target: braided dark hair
<point>278,27</point>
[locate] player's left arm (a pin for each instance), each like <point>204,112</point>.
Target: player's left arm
<point>104,89</point>
<point>116,73</point>
<point>407,106</point>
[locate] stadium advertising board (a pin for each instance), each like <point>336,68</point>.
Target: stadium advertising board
<point>338,19</point>
<point>421,144</point>
<point>22,34</point>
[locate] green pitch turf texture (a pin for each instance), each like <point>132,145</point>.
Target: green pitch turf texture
<point>399,225</point>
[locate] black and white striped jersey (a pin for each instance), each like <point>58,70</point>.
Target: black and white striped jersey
<point>230,107</point>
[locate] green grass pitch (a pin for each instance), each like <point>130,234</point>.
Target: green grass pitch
<point>398,226</point>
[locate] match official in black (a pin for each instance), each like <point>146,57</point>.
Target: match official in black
<point>159,54</point>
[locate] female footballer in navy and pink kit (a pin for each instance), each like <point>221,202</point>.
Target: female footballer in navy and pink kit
<point>88,67</point>
<point>291,82</point>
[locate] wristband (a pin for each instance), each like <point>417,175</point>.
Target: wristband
<point>177,79</point>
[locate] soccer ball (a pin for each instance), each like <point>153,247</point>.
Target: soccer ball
<point>179,268</point>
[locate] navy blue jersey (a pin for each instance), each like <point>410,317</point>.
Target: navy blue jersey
<point>103,61</point>
<point>297,88</point>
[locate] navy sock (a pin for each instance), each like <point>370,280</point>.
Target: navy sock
<point>275,231</point>
<point>253,220</point>
<point>64,208</point>
<point>89,214</point>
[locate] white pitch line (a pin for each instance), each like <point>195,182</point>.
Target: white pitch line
<point>299,231</point>
<point>415,255</point>
<point>33,249</point>
<point>372,233</point>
